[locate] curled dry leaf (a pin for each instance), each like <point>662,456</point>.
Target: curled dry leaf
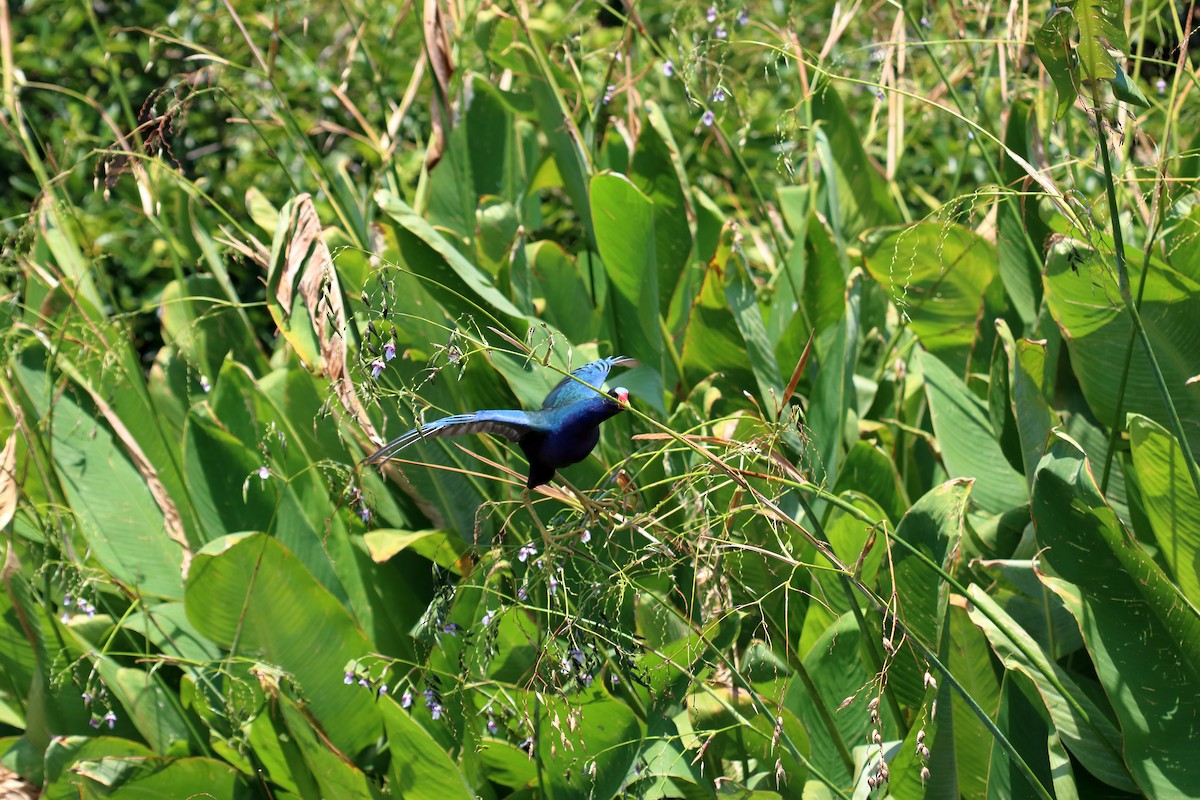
<point>8,481</point>
<point>437,46</point>
<point>305,264</point>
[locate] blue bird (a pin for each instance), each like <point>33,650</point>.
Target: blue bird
<point>561,433</point>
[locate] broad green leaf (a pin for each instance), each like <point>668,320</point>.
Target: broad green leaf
<point>104,767</point>
<point>1084,727</point>
<point>497,225</point>
<point>153,707</point>
<point>1082,294</point>
<point>836,668</point>
<point>56,235</point>
<point>111,503</point>
<point>264,214</point>
<point>204,329</point>
<point>1054,47</point>
<point>222,475</point>
<point>1035,418</point>
<point>1170,500</point>
<point>971,664</point>
<point>335,776</point>
<point>658,172</point>
<point>937,274</point>
<point>969,447</point>
<point>1143,636</point>
<point>934,528</point>
<point>506,764</point>
<point>567,300</point>
<point>453,268</point>
<point>305,518</point>
<point>420,769</point>
<point>832,414</point>
<point>869,471</point>
<point>824,292</point>
<point>1000,407</point>
<point>743,304</point>
<point>1181,233</point>
<point>712,342</point>
<point>625,237</point>
<point>1101,29</point>
<point>250,591</point>
<point>1019,227</point>
<point>441,547</point>
<point>588,743</point>
<point>565,141</point>
<point>1025,727</point>
<point>856,194</point>
<point>166,626</point>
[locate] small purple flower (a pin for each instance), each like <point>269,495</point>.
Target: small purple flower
<point>67,601</point>
<point>451,628</point>
<point>435,711</point>
<point>428,696</point>
<point>586,536</point>
<point>382,689</point>
<point>65,618</point>
<point>377,367</point>
<point>91,610</point>
<point>87,698</point>
<point>718,95</point>
<point>743,17</point>
<point>552,585</point>
<point>111,719</point>
<point>364,513</point>
<point>924,22</point>
<point>522,593</point>
<point>971,135</point>
<point>348,679</point>
<point>587,679</point>
<point>94,722</point>
<point>264,472</point>
<point>708,119</point>
<point>614,679</point>
<point>1160,85</point>
<point>608,94</point>
<point>389,351</point>
<point>491,726</point>
<point>488,617</point>
<point>406,699</point>
<point>720,32</point>
<point>668,69</point>
<point>879,95</point>
<point>205,385</point>
<point>525,552</point>
<point>363,683</point>
<point>712,14</point>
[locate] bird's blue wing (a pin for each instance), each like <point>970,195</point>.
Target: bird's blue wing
<point>569,389</point>
<point>512,425</point>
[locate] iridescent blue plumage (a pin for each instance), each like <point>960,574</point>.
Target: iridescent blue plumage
<point>561,433</point>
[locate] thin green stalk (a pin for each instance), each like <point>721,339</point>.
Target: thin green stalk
<point>1134,315</point>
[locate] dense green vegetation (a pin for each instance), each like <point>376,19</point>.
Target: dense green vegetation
<point>906,504</point>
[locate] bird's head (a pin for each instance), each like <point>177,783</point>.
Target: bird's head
<point>620,394</point>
